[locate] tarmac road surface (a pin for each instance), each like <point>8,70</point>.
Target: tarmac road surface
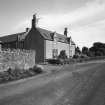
<point>77,84</point>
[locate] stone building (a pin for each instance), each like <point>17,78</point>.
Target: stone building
<point>47,44</point>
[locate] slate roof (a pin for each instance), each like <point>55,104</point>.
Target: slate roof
<point>11,38</point>
<point>47,35</point>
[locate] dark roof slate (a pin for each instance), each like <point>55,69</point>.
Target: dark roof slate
<point>11,38</point>
<point>45,33</point>
<point>48,35</point>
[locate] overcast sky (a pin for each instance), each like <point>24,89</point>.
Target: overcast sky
<point>85,19</point>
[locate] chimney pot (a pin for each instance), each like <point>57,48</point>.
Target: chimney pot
<point>34,21</point>
<point>27,29</point>
<point>65,31</point>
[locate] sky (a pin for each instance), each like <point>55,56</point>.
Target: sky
<point>85,19</point>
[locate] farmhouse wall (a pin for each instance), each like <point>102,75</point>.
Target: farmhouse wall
<point>48,49</point>
<point>35,41</point>
<point>63,46</point>
<point>22,59</point>
<point>72,50</point>
<point>50,45</point>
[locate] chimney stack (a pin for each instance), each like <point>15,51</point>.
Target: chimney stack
<point>34,21</point>
<point>65,31</point>
<point>27,29</point>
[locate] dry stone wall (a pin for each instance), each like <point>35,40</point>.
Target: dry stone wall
<point>21,59</point>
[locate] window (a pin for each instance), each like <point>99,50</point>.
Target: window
<point>55,53</point>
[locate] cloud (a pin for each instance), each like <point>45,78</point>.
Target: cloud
<point>87,14</point>
<point>22,25</point>
<point>86,23</point>
<point>87,35</point>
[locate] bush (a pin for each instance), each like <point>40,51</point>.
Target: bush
<point>29,73</point>
<point>4,76</point>
<point>62,55</point>
<point>75,56</point>
<point>55,61</point>
<point>37,70</point>
<point>15,74</point>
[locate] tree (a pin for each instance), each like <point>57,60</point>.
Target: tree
<point>62,55</point>
<point>85,50</point>
<point>77,50</point>
<point>98,49</point>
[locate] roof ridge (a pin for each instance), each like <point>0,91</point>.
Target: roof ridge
<point>51,31</point>
<point>46,34</point>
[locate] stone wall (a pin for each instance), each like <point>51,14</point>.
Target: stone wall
<point>22,59</point>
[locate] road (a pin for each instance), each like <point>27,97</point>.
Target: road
<point>77,84</point>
